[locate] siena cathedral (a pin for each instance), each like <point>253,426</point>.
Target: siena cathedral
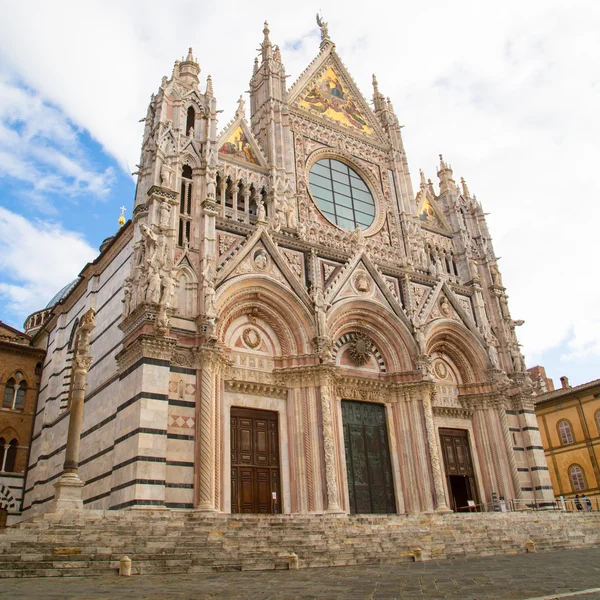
<point>285,326</point>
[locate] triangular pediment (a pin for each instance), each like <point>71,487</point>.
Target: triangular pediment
<point>443,303</point>
<point>430,215</point>
<point>237,144</point>
<point>327,91</point>
<point>360,279</point>
<point>260,256</point>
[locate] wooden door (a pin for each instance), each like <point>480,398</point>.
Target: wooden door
<point>368,464</point>
<point>458,463</point>
<point>255,477</point>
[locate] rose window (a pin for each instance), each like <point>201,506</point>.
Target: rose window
<point>341,194</point>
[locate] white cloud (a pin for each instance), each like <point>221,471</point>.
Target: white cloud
<point>508,92</point>
<point>40,147</point>
<point>37,259</point>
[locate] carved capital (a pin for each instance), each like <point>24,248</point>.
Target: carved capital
<point>146,346</point>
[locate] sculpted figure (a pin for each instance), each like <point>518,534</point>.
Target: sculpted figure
<point>153,291</point>
<point>126,297</point>
<point>321,308</point>
<point>292,219</point>
<point>165,176</point>
<point>149,238</point>
<point>496,278</point>
<point>261,213</point>
<point>420,337</point>
<point>165,214</point>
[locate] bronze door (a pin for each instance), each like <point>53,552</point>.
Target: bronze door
<point>255,474</point>
<point>370,482</point>
<point>459,467</point>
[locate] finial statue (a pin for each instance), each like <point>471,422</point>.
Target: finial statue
<point>465,188</point>
<point>241,109</point>
<point>122,217</point>
<point>375,84</point>
<point>324,28</point>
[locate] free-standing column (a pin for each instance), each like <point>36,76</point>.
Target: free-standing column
<point>434,453</point>
<point>508,443</point>
<point>68,487</point>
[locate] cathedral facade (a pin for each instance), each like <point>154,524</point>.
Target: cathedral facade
<point>284,326</point>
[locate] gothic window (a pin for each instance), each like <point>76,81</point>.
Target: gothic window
<point>253,207</point>
<point>185,206</point>
<point>240,197</point>
<point>191,118</point>
<point>565,432</point>
<point>10,456</point>
<point>341,194</point>
<point>218,199</point>
<point>14,394</point>
<point>577,478</point>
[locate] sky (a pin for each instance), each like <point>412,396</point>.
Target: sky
<point>507,92</point>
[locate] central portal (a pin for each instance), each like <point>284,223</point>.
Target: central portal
<point>255,481</point>
<point>370,482</point>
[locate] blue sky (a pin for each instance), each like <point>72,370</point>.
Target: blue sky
<point>508,93</point>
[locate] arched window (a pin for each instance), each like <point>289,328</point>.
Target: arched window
<point>185,206</point>
<point>191,120</point>
<point>11,456</point>
<point>253,208</point>
<point>14,394</point>
<point>577,478</point>
<point>597,418</point>
<point>240,197</point>
<point>565,432</point>
<point>218,192</point>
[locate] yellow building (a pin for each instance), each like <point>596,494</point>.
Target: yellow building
<point>569,421</point>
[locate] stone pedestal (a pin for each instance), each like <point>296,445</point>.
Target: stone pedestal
<point>67,495</point>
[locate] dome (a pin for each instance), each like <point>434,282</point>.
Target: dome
<point>63,293</point>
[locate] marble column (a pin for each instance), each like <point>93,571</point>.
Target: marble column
<point>331,462</point>
<point>67,495</point>
<point>434,454</point>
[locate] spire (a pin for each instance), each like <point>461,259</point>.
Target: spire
<point>266,46</point>
<point>189,69</point>
<point>378,99</point>
<point>209,86</point>
<point>447,184</point>
<point>465,188</point>
<point>255,69</point>
<point>325,40</point>
<point>423,182</point>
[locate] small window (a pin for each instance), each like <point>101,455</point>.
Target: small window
<point>191,119</point>
<point>577,478</point>
<point>565,432</point>
<point>9,394</point>
<point>597,417</point>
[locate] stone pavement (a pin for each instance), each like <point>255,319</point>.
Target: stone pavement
<point>519,576</point>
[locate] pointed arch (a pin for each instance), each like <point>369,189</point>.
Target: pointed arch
<point>186,291</point>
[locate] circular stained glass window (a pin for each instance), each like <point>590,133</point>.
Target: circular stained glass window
<point>341,194</point>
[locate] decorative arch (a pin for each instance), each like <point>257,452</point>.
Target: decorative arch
<point>277,306</point>
<point>350,337</point>
<point>7,500</point>
<point>395,342</point>
<point>466,352</point>
<point>186,291</point>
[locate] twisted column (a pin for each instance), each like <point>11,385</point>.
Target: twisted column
<point>440,494</point>
<point>205,434</point>
<point>333,503</point>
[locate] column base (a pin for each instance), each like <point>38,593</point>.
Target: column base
<point>334,511</point>
<point>206,507</point>
<point>443,510</point>
<point>67,495</point>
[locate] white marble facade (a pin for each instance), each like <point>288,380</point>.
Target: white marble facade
<point>233,286</point>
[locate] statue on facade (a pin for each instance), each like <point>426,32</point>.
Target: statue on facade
<point>166,176</point>
<point>165,214</point>
<point>154,287</point>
